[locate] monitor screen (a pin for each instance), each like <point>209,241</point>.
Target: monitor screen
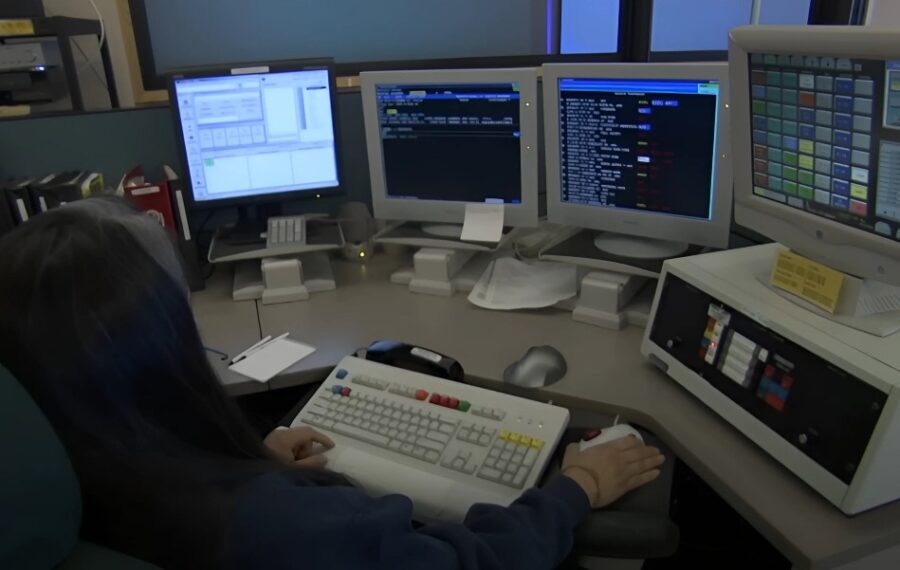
<point>640,144</point>
<point>256,134</point>
<point>826,137</point>
<point>451,142</point>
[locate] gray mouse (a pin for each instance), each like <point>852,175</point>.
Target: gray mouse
<point>540,366</point>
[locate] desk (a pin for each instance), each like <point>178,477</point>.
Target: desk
<point>606,374</point>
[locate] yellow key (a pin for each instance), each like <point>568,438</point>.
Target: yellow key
<point>513,437</point>
<point>537,443</point>
<point>524,440</point>
<point>504,434</point>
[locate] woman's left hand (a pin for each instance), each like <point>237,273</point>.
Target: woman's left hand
<point>297,446</point>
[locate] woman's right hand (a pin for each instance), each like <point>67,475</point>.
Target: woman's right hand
<point>609,470</point>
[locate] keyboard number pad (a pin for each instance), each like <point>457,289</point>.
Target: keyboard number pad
<point>509,462</point>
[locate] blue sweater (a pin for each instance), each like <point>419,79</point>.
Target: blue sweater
<point>281,524</point>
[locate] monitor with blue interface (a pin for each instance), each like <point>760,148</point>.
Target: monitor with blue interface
<point>256,134</point>
<point>639,151</point>
<point>438,140</point>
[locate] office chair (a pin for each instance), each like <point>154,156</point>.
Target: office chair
<point>39,494</point>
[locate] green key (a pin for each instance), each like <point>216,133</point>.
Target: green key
<point>464,406</point>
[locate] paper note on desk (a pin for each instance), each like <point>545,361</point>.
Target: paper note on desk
<point>264,363</point>
<point>483,222</point>
<point>508,284</point>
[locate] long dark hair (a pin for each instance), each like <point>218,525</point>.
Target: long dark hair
<point>95,322</point>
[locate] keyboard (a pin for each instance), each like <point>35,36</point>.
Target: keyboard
<point>286,230</point>
<point>444,444</point>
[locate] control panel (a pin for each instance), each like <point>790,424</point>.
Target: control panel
<point>822,410</point>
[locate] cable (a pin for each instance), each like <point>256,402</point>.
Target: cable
<point>102,23</point>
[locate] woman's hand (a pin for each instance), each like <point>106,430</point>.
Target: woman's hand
<point>298,446</point>
<point>609,470</point>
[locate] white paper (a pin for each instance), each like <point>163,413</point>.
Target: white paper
<point>262,365</point>
<point>484,222</point>
<point>509,284</point>
<point>876,297</point>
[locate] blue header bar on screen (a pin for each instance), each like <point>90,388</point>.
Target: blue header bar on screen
<point>699,87</point>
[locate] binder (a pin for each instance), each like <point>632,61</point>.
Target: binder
<point>187,244</point>
<point>17,197</point>
<point>153,198</point>
<point>165,201</point>
<point>7,222</point>
<point>59,189</point>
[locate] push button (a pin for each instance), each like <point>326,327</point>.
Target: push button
<point>341,374</point>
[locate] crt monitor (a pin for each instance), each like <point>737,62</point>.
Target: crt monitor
<point>639,152</point>
<point>816,127</point>
<point>256,133</point>
<point>440,139</point>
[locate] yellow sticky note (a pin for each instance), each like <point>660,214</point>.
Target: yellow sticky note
<point>809,280</point>
<point>19,27</point>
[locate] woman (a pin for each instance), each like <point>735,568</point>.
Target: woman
<point>172,473</point>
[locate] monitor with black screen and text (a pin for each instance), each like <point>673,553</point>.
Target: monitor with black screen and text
<point>639,153</point>
<point>438,140</point>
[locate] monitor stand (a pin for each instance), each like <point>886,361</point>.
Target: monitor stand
<point>250,228</point>
<point>636,247</point>
<point>623,269</point>
<point>453,231</point>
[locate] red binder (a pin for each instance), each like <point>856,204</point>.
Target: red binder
<point>152,198</point>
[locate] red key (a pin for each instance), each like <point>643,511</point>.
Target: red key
<point>421,394</point>
<point>435,399</point>
<point>345,392</point>
<point>444,400</point>
<point>453,403</point>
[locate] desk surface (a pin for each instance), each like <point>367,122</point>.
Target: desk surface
<point>606,374</point>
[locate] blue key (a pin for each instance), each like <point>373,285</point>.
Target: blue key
<point>839,201</point>
<point>790,143</point>
<point>807,115</point>
<point>842,121</point>
<point>336,389</point>
<point>841,171</point>
<point>844,104</point>
<point>341,374</point>
<point>841,154</point>
<point>841,187</point>
<point>843,86</point>
<point>842,138</point>
<point>760,122</point>
<point>807,132</point>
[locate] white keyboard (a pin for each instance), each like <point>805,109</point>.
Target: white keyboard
<point>446,445</point>
<point>286,230</point>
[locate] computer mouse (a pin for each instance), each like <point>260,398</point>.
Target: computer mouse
<point>541,366</point>
<point>612,433</point>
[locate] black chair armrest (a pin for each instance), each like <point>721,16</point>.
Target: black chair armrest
<point>624,534</point>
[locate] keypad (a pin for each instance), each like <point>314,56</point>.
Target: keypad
<point>812,119</point>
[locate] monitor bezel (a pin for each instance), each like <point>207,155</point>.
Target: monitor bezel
<point>842,247</point>
<point>453,212</point>
<point>713,232</point>
<point>245,68</point>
